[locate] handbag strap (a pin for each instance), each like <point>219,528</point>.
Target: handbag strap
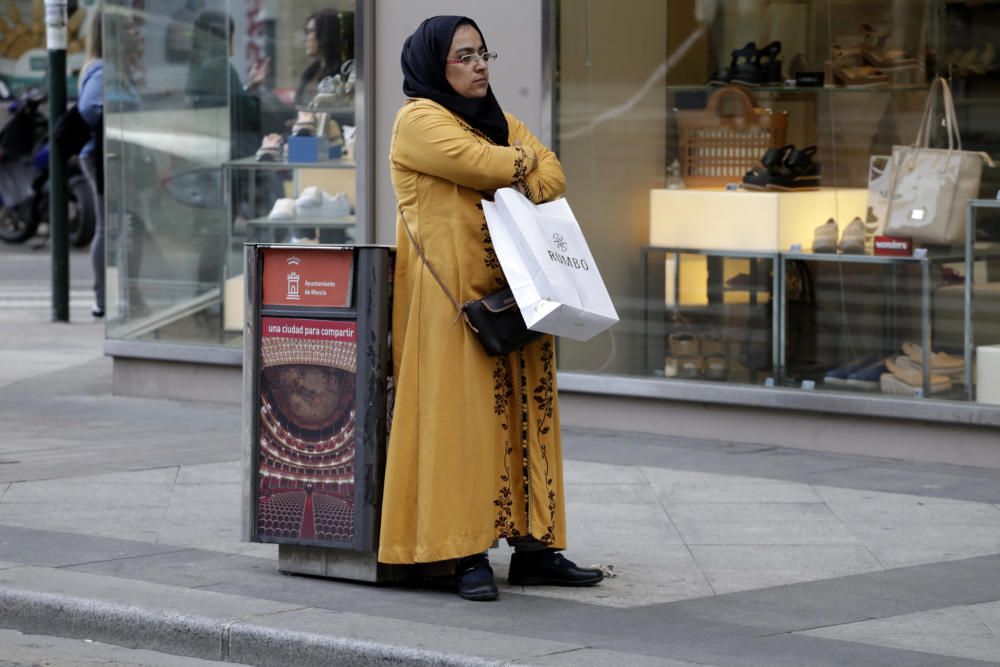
<point>423,258</point>
<point>950,117</point>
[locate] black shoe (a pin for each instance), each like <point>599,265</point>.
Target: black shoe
<point>474,579</point>
<point>533,568</point>
<point>741,63</point>
<point>796,172</point>
<point>758,178</point>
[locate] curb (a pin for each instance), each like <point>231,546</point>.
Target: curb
<point>203,637</point>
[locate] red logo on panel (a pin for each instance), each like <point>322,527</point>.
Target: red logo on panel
<point>312,278</point>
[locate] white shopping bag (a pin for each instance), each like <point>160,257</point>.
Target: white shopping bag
<point>548,266</point>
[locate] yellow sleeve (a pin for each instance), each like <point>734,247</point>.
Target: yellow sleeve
<point>548,181</point>
<point>430,140</point>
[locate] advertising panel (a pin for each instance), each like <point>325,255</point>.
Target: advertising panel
<point>306,439</point>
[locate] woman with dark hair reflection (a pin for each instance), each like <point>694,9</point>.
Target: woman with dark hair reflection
<point>330,43</point>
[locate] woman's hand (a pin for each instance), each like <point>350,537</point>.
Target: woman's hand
<point>534,161</point>
<point>258,73</point>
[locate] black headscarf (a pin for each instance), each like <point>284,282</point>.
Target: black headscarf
<point>424,53</point>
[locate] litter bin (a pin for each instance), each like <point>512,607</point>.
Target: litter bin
<point>316,373</point>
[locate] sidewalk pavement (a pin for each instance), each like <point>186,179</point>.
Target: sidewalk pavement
<point>119,523</point>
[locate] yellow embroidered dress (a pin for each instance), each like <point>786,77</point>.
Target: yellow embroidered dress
<point>474,452</point>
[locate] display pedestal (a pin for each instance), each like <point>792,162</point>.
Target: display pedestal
<point>713,219</point>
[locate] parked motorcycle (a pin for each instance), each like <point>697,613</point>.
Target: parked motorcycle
<point>24,177</point>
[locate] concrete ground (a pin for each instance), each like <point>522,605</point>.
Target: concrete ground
<point>119,523</point>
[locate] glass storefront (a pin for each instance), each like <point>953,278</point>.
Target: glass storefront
<point>728,162</point>
<point>226,121</point>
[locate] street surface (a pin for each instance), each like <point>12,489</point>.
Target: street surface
<point>119,524</point>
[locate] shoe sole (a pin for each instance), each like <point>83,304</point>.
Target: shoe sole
<point>543,581</point>
<point>480,595</point>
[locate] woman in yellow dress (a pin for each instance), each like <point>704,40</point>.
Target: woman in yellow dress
<point>474,452</point>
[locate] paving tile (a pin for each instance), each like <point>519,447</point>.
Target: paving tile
<point>588,657</point>
<point>110,491</point>
<point>228,472</point>
<point>952,631</point>
<point>937,548</point>
<point>859,506</point>
<point>989,614</point>
<point>759,523</point>
<point>641,525</point>
<point>576,471</point>
<point>796,650</point>
<point>187,568</point>
<point>202,515</point>
<point>121,505</point>
<point>740,568</point>
<point>683,486</point>
<point>27,546</point>
<point>619,494</point>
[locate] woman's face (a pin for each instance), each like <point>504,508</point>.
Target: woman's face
<point>312,46</point>
<point>467,80</point>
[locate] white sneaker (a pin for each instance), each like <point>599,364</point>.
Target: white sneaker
<point>302,240</point>
<point>315,204</point>
<point>284,209</point>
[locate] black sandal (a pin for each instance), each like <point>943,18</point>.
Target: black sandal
<point>743,60</point>
<point>759,178</point>
<point>768,64</point>
<point>797,171</point>
<point>763,68</point>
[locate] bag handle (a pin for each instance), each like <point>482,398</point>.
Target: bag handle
<point>461,311</point>
<point>747,102</point>
<point>950,116</point>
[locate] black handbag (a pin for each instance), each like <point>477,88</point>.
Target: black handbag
<point>495,319</point>
<point>71,133</point>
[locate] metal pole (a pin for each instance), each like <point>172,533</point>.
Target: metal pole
<point>55,33</point>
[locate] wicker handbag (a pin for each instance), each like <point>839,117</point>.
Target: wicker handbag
<point>717,149</point>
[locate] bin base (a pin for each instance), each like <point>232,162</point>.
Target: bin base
<point>337,564</point>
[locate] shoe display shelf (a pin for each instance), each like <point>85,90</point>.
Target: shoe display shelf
<point>742,298</point>
<point>724,296</point>
<point>893,289</point>
<point>285,179</point>
<point>252,187</point>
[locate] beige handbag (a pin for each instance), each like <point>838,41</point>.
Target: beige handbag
<point>930,186</point>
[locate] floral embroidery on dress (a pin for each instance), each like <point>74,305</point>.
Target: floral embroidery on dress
<point>544,399</point>
<point>520,180</point>
<point>523,423</point>
<point>503,388</point>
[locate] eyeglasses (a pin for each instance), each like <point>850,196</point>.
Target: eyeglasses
<point>473,58</point>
